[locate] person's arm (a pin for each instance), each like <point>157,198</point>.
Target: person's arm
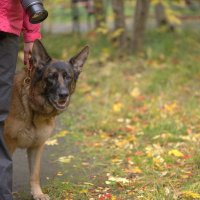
<point>31,32</point>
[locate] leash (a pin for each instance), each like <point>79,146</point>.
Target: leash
<point>28,78</point>
<point>29,70</point>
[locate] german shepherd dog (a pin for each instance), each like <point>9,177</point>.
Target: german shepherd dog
<point>38,97</point>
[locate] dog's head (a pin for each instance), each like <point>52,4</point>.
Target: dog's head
<point>54,81</point>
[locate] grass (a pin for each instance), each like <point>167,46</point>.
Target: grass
<point>134,120</point>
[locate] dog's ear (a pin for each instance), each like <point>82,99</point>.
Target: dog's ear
<point>39,55</point>
<point>79,59</point>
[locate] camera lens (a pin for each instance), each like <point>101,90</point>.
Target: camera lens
<point>37,13</point>
<point>35,10</point>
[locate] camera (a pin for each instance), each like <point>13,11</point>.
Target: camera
<point>35,10</point>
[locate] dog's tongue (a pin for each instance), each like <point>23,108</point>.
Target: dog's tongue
<point>62,102</point>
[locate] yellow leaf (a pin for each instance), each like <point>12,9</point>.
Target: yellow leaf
<point>116,161</point>
<point>135,92</point>
<point>117,33</point>
<point>190,194</point>
<point>102,29</point>
<point>84,191</point>
<point>136,170</point>
<point>117,107</point>
<point>51,142</point>
<point>154,150</point>
<point>87,183</point>
<point>176,153</point>
<point>174,20</point>
<point>185,176</point>
<point>65,159</point>
<point>61,134</point>
<point>158,162</point>
<point>172,16</point>
<point>114,198</point>
<point>121,143</point>
<point>59,174</point>
<point>170,107</point>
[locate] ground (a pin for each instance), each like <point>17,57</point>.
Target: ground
<point>132,130</point>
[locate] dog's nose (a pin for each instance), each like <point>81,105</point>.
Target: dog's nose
<point>63,94</point>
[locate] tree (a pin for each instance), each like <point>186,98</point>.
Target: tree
<point>140,19</point>
<point>75,16</point>
<point>193,5</point>
<point>161,17</point>
<point>119,21</point>
<point>89,6</point>
<point>189,3</point>
<point>99,13</point>
<point>160,14</point>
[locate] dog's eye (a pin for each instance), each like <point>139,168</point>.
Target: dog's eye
<point>53,76</point>
<point>66,76</point>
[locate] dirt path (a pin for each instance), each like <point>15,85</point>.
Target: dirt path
<point>50,166</point>
<point>21,173</point>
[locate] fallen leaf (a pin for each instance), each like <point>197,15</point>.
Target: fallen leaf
<point>135,170</point>
<point>59,174</point>
<point>167,191</point>
<point>84,191</point>
<point>51,142</point>
<point>171,107</point>
<point>117,107</point>
<point>162,174</point>
<point>190,194</point>
<point>117,180</point>
<point>158,162</point>
<point>135,92</point>
<point>66,159</point>
<point>105,196</point>
<point>176,153</point>
<point>61,134</point>
<point>138,153</point>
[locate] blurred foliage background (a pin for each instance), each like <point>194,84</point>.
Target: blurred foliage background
<point>123,22</point>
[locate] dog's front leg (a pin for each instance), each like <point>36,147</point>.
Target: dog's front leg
<point>34,157</point>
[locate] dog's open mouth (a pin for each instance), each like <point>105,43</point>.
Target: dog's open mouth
<point>60,104</point>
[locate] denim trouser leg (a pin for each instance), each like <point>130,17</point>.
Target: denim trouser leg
<point>8,58</point>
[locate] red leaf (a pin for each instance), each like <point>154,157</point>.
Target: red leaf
<point>105,196</point>
<point>138,153</point>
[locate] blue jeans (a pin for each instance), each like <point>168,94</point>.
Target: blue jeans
<point>8,59</point>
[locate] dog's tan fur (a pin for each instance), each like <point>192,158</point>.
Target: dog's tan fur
<point>26,128</point>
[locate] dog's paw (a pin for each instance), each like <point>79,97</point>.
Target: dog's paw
<point>41,197</point>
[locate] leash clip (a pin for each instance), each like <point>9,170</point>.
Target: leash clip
<point>27,80</point>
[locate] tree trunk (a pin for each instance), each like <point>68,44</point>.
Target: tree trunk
<point>161,17</point>
<point>189,2</point>
<point>119,21</point>
<point>140,19</point>
<point>89,6</point>
<point>100,17</point>
<point>75,16</point>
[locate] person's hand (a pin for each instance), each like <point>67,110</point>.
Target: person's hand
<point>27,52</point>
